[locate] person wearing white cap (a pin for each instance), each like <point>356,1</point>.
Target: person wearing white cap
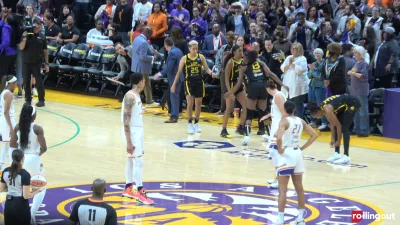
<point>360,88</point>
<point>7,115</point>
<point>385,59</point>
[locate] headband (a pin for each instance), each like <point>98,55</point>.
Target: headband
<point>13,79</point>
<point>33,110</point>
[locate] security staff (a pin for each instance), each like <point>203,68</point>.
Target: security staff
<point>34,47</point>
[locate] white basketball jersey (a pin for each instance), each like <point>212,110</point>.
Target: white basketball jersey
<point>292,135</point>
<point>137,110</point>
<point>2,104</point>
<point>33,143</point>
<point>276,114</point>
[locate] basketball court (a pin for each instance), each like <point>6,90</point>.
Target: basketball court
<point>203,179</point>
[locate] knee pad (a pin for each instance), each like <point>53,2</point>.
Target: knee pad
<point>261,113</point>
<point>250,114</point>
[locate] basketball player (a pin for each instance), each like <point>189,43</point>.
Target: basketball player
<point>232,63</point>
<point>191,65</point>
<point>7,115</point>
<point>277,112</point>
<point>289,161</point>
<point>340,111</point>
<point>29,137</point>
<point>18,182</point>
<point>133,134</point>
<point>93,211</point>
<point>256,74</point>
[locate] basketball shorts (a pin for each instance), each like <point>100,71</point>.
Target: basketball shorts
<point>257,91</point>
<point>290,162</point>
<point>195,88</point>
<point>33,164</point>
<point>5,129</point>
<point>241,88</point>
<point>137,138</point>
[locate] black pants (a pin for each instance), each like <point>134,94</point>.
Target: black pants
<point>384,81</point>
<point>17,212</point>
<point>345,119</point>
<point>29,69</point>
<point>7,65</point>
<point>158,42</point>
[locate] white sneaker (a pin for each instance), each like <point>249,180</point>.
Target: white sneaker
<point>313,124</point>
<point>35,94</point>
<point>323,126</point>
<point>335,157</point>
<point>191,128</point>
<point>298,222</point>
<point>265,137</point>
<point>152,105</point>
<point>246,140</point>
<point>197,128</point>
<point>274,185</point>
<point>343,160</point>
<point>271,181</point>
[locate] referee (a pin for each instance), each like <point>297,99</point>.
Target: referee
<point>93,211</point>
<point>18,182</point>
<point>31,45</point>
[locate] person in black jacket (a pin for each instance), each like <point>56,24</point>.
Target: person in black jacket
<point>229,19</point>
<point>123,17</point>
<point>272,58</point>
<point>334,71</point>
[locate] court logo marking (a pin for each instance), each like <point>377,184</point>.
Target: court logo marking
<point>204,203</point>
<point>204,144</point>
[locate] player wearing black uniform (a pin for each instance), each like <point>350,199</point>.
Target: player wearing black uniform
<point>191,65</point>
<point>256,76</point>
<point>233,63</point>
<point>93,211</point>
<point>18,182</point>
<point>340,111</point>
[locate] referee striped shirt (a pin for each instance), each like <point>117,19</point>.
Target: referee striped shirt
<point>93,212</point>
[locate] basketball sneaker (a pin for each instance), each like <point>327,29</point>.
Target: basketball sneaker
<point>271,181</point>
<point>225,134</point>
<point>142,197</point>
<point>246,140</point>
<point>265,137</point>
<point>240,130</point>
<point>343,160</point>
<point>298,222</point>
<point>197,128</point>
<point>274,185</point>
<point>191,128</point>
<point>335,157</point>
<point>131,193</point>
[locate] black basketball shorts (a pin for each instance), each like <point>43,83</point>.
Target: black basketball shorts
<point>195,88</point>
<point>257,91</point>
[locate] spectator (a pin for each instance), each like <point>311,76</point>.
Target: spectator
<point>280,19</point>
<point>51,29</point>
<point>141,12</point>
<point>9,4</point>
<point>180,16</point>
<point>124,60</point>
<point>349,14</point>
<point>142,60</point>
<point>316,92</point>
<point>334,74</point>
<point>158,23</point>
<point>56,7</point>
<point>324,35</point>
<point>247,44</point>
<point>240,42</point>
<point>179,41</point>
<point>43,6</point>
<point>347,53</point>
<point>273,58</point>
<point>339,12</point>
<point>253,32</point>
<point>360,88</point>
<point>305,5</point>
<point>62,19</point>
<point>123,17</point>
<point>97,31</point>
<point>295,77</point>
<point>312,16</point>
<point>197,27</point>
<point>214,14</point>
<point>106,12</point>
<point>375,22</point>
<point>391,21</point>
<point>213,42</point>
<point>324,7</point>
<point>81,9</point>
<point>33,3</point>
<point>385,59</point>
<point>8,45</point>
<point>236,21</point>
<point>137,32</point>
<point>281,43</point>
<point>289,8</point>
<point>252,10</point>
<point>220,72</point>
<point>69,33</point>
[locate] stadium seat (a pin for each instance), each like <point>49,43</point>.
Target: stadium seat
<point>376,103</point>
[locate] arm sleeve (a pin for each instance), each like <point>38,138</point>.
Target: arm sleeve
<point>2,178</point>
<point>26,178</point>
<point>113,217</point>
<point>74,215</point>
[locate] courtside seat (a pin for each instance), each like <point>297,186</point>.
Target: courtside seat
<point>92,58</point>
<point>63,55</point>
<point>109,73</point>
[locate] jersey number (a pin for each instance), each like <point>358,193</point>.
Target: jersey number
<point>296,129</point>
<point>194,70</point>
<point>90,215</point>
<point>256,66</point>
<point>12,181</point>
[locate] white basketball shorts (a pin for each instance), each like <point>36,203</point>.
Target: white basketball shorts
<point>290,162</point>
<point>5,129</point>
<point>137,138</point>
<point>33,164</point>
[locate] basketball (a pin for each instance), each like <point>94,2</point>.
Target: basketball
<point>38,181</point>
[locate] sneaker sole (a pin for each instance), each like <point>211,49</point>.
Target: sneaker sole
<point>127,196</point>
<point>145,203</point>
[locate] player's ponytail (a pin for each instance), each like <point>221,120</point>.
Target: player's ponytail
<point>16,165</point>
<point>24,126</point>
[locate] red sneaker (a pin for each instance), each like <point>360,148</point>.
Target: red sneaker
<point>130,192</point>
<point>142,197</point>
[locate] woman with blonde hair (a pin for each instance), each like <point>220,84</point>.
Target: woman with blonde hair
<point>295,77</point>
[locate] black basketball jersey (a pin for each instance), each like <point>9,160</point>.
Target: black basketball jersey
<point>236,65</point>
<point>92,212</point>
<point>341,103</point>
<point>255,72</point>
<point>15,186</point>
<point>193,68</point>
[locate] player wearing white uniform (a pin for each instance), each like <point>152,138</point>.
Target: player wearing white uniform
<point>277,113</point>
<point>7,116</point>
<point>290,160</point>
<point>29,137</point>
<point>133,134</point>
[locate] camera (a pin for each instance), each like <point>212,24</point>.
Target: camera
<point>28,25</point>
